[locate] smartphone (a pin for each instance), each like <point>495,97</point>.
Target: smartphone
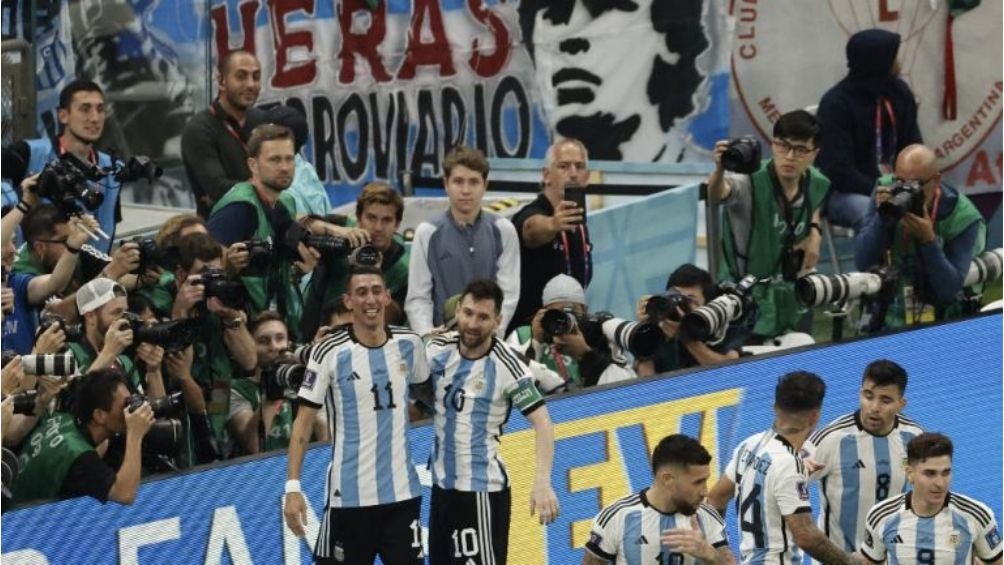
<point>577,193</point>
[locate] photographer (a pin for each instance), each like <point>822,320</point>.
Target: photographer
<point>56,246</point>
<point>82,116</point>
<point>553,237</point>
<point>379,210</point>
<point>225,350</point>
<point>929,231</point>
<point>60,457</point>
<point>771,220</point>
<point>687,288</point>
<point>580,362</point>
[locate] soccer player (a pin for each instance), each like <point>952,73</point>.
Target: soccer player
<point>862,456</point>
<point>931,524</point>
<point>476,379</point>
<point>667,522</point>
<point>362,371</point>
<point>769,481</point>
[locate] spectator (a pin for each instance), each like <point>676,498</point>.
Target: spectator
<point>461,245</point>
<point>771,227</point>
<point>307,189</point>
<point>868,118</point>
<point>71,466</point>
<point>578,362</point>
<point>225,351</point>
<point>213,144</point>
<point>678,352</point>
<point>932,250</point>
<point>553,237</point>
<point>379,210</point>
<point>82,117</point>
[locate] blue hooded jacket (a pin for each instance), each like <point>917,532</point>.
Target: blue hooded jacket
<point>847,114</point>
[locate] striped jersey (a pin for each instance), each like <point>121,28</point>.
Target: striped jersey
<point>627,532</point>
<point>964,528</point>
<point>367,389</point>
<point>771,483</point>
<point>859,469</point>
<point>473,398</point>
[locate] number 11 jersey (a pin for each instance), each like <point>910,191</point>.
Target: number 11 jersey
<point>771,483</point>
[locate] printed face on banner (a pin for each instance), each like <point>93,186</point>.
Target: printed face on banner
<point>620,75</point>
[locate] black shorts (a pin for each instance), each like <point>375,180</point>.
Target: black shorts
<point>351,536</point>
<point>469,528</point>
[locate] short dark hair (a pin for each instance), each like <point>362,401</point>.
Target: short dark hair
<point>197,246</point>
<point>927,445</point>
<point>679,449</point>
<point>171,229</point>
<point>41,221</point>
<point>96,390</point>
<point>884,372</point>
<point>468,157</point>
<point>224,64</point>
<point>362,270</point>
<point>798,124</point>
<point>331,308</point>
<point>380,193</point>
<point>483,289</point>
<point>268,132</point>
<point>799,391</point>
<point>264,317</point>
<point>692,275</point>
<point>80,85</point>
<point>137,303</point>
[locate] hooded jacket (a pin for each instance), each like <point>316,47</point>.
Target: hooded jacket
<point>847,114</point>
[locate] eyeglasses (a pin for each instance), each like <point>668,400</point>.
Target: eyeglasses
<point>782,147</point>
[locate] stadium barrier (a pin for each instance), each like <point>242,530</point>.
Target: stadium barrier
<point>231,513</point>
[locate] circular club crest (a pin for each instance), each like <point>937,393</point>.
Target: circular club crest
<point>786,56</point>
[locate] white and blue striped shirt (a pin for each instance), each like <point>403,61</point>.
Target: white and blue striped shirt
<point>367,389</point>
<point>473,398</point>
<point>627,532</point>
<point>964,528</point>
<point>859,470</point>
<point>771,483</point>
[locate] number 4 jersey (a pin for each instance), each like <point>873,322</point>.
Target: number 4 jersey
<point>367,389</point>
<point>473,398</point>
<point>771,483</point>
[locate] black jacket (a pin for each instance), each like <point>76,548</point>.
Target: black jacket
<point>847,114</point>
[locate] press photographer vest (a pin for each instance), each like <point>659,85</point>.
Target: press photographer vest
<point>46,457</point>
<point>278,284</point>
<point>43,152</point>
<point>779,311</point>
<point>85,355</point>
<point>905,255</point>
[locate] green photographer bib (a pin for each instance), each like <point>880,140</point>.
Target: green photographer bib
<point>46,457</point>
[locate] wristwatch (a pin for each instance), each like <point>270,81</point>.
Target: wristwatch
<point>233,323</point>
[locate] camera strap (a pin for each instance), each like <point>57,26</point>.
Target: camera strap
<point>566,248</point>
<point>93,157</point>
<point>230,127</point>
<point>883,102</point>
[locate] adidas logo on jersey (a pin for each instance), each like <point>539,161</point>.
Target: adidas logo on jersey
<point>641,540</point>
<point>338,493</point>
<point>353,377</point>
<point>896,539</point>
<point>859,465</point>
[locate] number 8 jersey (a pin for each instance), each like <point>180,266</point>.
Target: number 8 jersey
<point>771,483</point>
<point>473,398</point>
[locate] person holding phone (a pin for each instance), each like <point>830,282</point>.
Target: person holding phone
<point>553,237</point>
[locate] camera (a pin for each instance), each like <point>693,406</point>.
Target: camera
<point>217,284</point>
<point>986,266</point>
<point>906,196</point>
<point>66,182</point>
<point>55,364</point>
<point>281,378</point>
<point>166,434</point>
<point>327,245</point>
<point>365,256</point>
<point>742,155</point>
<point>153,255</point>
<point>173,335</point>
<point>138,167</point>
<point>24,402</point>
<point>73,332</point>
<point>663,307</point>
<point>601,329</point>
<point>791,263</point>
<point>816,289</point>
<point>259,256</point>
<point>710,322</point>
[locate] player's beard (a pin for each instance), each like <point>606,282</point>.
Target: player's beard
<point>474,341</point>
<point>684,507</point>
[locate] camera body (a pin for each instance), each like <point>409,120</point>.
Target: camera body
<point>66,182</point>
<point>153,255</point>
<point>791,263</point>
<point>710,322</point>
<point>165,436</point>
<point>217,284</point>
<point>365,255</point>
<point>663,307</point>
<point>173,335</point>
<point>601,329</point>
<point>906,196</point>
<point>327,245</point>
<point>139,167</point>
<point>259,256</point>
<point>742,155</point>
<point>73,332</point>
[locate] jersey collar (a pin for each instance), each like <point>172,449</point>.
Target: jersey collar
<point>857,422</point>
<point>909,504</point>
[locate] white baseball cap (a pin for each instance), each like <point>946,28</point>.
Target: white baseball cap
<point>97,293</point>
